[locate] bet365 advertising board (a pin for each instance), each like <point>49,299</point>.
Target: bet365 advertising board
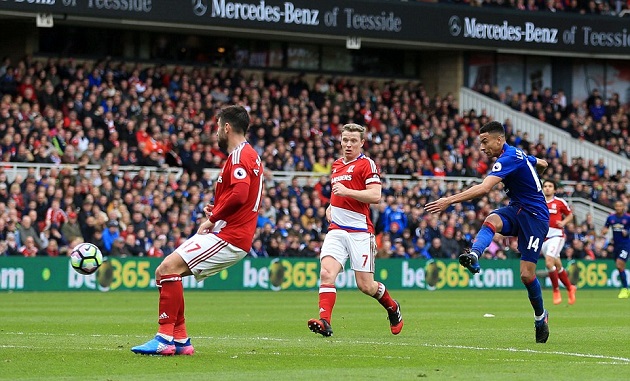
<point>276,274</point>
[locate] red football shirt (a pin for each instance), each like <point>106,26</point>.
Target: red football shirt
<point>56,216</point>
<point>155,252</point>
<point>347,213</point>
<point>243,165</point>
<point>558,210</point>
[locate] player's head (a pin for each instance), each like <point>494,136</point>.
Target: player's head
<point>620,207</point>
<point>231,120</point>
<point>492,138</point>
<point>352,139</point>
<point>549,188</point>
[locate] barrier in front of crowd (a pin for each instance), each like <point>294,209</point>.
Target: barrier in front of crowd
<point>470,99</point>
<point>581,206</point>
<point>12,170</point>
<point>55,274</point>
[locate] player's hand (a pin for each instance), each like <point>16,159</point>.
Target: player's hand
<point>560,224</point>
<point>208,210</point>
<point>205,227</point>
<point>328,215</point>
<point>340,190</point>
<point>437,206</point>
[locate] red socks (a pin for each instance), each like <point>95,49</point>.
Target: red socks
<point>327,298</point>
<point>171,304</point>
<point>553,276</point>
<point>564,278</point>
<point>179,332</point>
<point>383,297</point>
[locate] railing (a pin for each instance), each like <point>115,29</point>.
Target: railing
<point>581,207</point>
<point>14,169</point>
<point>470,99</point>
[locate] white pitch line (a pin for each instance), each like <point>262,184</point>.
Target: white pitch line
<point>88,348</point>
<point>617,360</point>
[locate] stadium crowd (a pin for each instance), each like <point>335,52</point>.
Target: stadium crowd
<point>115,114</point>
<point>604,122</point>
<point>582,7</point>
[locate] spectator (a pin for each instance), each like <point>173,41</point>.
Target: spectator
<point>449,244</point>
<point>12,246</point>
<point>29,249</point>
<point>421,249</point>
<point>119,248</point>
<point>156,248</point>
<point>27,230</point>
<point>257,250</point>
<point>55,217</point>
<point>437,250</point>
<point>110,234</point>
<point>51,250</point>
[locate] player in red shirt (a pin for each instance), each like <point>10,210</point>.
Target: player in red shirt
<point>560,214</point>
<point>221,241</point>
<point>355,184</point>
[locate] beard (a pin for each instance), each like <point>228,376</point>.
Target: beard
<point>223,144</point>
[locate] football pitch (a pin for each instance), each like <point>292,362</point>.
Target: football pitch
<point>259,335</point>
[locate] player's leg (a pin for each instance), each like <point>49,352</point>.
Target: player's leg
<point>549,248</point>
<point>362,255</point>
<point>201,256</point>
<point>562,273</point>
<point>620,262</point>
<point>531,235</point>
<point>491,225</point>
<point>333,255</point>
<point>168,279</point>
<point>377,290</point>
<point>205,255</point>
<point>182,342</point>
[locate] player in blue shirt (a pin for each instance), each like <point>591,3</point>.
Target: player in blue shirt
<point>620,223</point>
<point>526,216</point>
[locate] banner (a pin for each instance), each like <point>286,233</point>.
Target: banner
<point>394,22</point>
<point>56,274</point>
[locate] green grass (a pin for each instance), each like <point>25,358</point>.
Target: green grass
<point>263,336</point>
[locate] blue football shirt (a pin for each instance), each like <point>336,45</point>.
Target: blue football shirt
<point>521,183</point>
<point>619,224</point>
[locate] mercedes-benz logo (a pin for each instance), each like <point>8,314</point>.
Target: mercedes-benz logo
<point>199,7</point>
<point>455,25</point>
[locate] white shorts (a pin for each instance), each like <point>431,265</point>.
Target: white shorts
<point>360,247</point>
<point>208,254</point>
<point>553,246</point>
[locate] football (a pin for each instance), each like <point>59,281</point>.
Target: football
<point>86,258</point>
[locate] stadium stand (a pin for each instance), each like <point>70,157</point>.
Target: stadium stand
<point>583,7</point>
<point>129,153</point>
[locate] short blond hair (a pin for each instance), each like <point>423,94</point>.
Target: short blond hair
<point>353,127</point>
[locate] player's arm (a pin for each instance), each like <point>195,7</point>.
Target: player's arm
<point>566,220</point>
<point>371,194</point>
<point>236,198</point>
<point>541,165</point>
<point>473,192</point>
<point>605,227</point>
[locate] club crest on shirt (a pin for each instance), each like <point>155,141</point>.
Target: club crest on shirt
<point>350,169</point>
